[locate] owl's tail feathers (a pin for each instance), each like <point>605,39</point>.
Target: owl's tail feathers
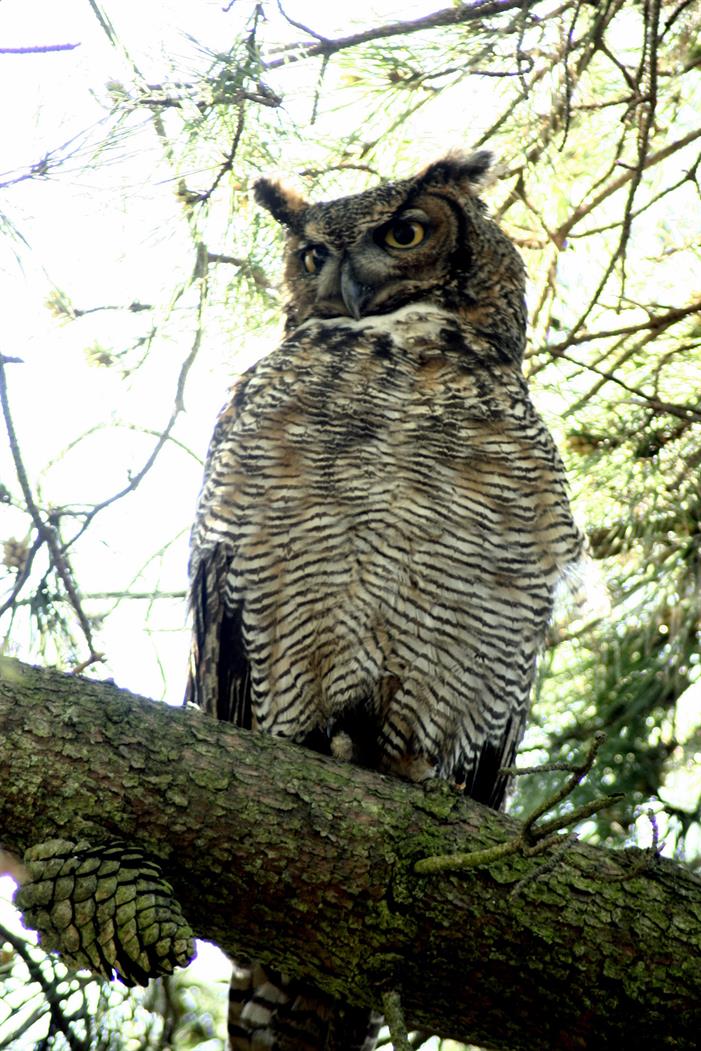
<point>268,1012</point>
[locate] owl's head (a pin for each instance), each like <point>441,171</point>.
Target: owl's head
<point>422,239</point>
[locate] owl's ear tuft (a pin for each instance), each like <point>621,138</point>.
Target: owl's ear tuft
<point>466,169</point>
<point>284,204</point>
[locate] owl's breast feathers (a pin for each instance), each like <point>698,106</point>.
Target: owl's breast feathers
<point>380,533</point>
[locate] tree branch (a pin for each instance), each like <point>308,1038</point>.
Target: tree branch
<point>37,49</point>
<point>45,531</point>
<point>283,854</point>
<point>451,16</point>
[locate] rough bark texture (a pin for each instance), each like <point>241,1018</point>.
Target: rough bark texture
<point>280,853</point>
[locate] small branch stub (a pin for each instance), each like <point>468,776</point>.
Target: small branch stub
<point>394,1020</point>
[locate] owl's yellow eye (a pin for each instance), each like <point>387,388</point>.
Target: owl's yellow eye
<point>313,258</point>
<point>404,233</point>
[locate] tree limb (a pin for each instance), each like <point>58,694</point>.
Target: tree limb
<point>450,16</point>
<point>285,855</point>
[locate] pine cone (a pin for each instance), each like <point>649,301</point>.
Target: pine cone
<point>105,908</point>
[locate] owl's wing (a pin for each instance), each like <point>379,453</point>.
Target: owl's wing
<point>486,783</point>
<point>219,674</point>
<point>219,679</point>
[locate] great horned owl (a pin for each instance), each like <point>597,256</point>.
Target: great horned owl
<point>384,519</point>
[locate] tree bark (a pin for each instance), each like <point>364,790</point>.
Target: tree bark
<point>284,855</point>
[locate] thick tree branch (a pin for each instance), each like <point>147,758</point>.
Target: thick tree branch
<point>283,854</point>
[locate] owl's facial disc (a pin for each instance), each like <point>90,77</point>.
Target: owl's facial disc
<point>363,267</point>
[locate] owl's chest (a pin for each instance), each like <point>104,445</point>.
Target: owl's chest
<point>349,412</point>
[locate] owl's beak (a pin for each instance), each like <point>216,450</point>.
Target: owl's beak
<point>354,295</point>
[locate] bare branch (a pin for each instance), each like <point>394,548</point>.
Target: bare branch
<point>37,49</point>
<point>461,14</point>
<point>46,532</point>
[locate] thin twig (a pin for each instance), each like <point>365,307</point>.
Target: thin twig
<point>394,1020</point>
<point>300,25</point>
<point>656,322</point>
<point>45,531</point>
<point>625,177</point>
<point>22,576</point>
<point>648,65</point>
<point>563,845</point>
<point>37,49</point>
<point>532,838</point>
<point>568,75</point>
<point>228,164</point>
<point>577,773</point>
<point>684,412</point>
<point>179,406</point>
<point>121,596</point>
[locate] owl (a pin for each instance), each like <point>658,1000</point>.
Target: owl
<point>383,520</point>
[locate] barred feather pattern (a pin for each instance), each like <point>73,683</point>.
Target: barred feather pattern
<point>384,515</point>
<point>379,537</point>
<point>268,1011</point>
